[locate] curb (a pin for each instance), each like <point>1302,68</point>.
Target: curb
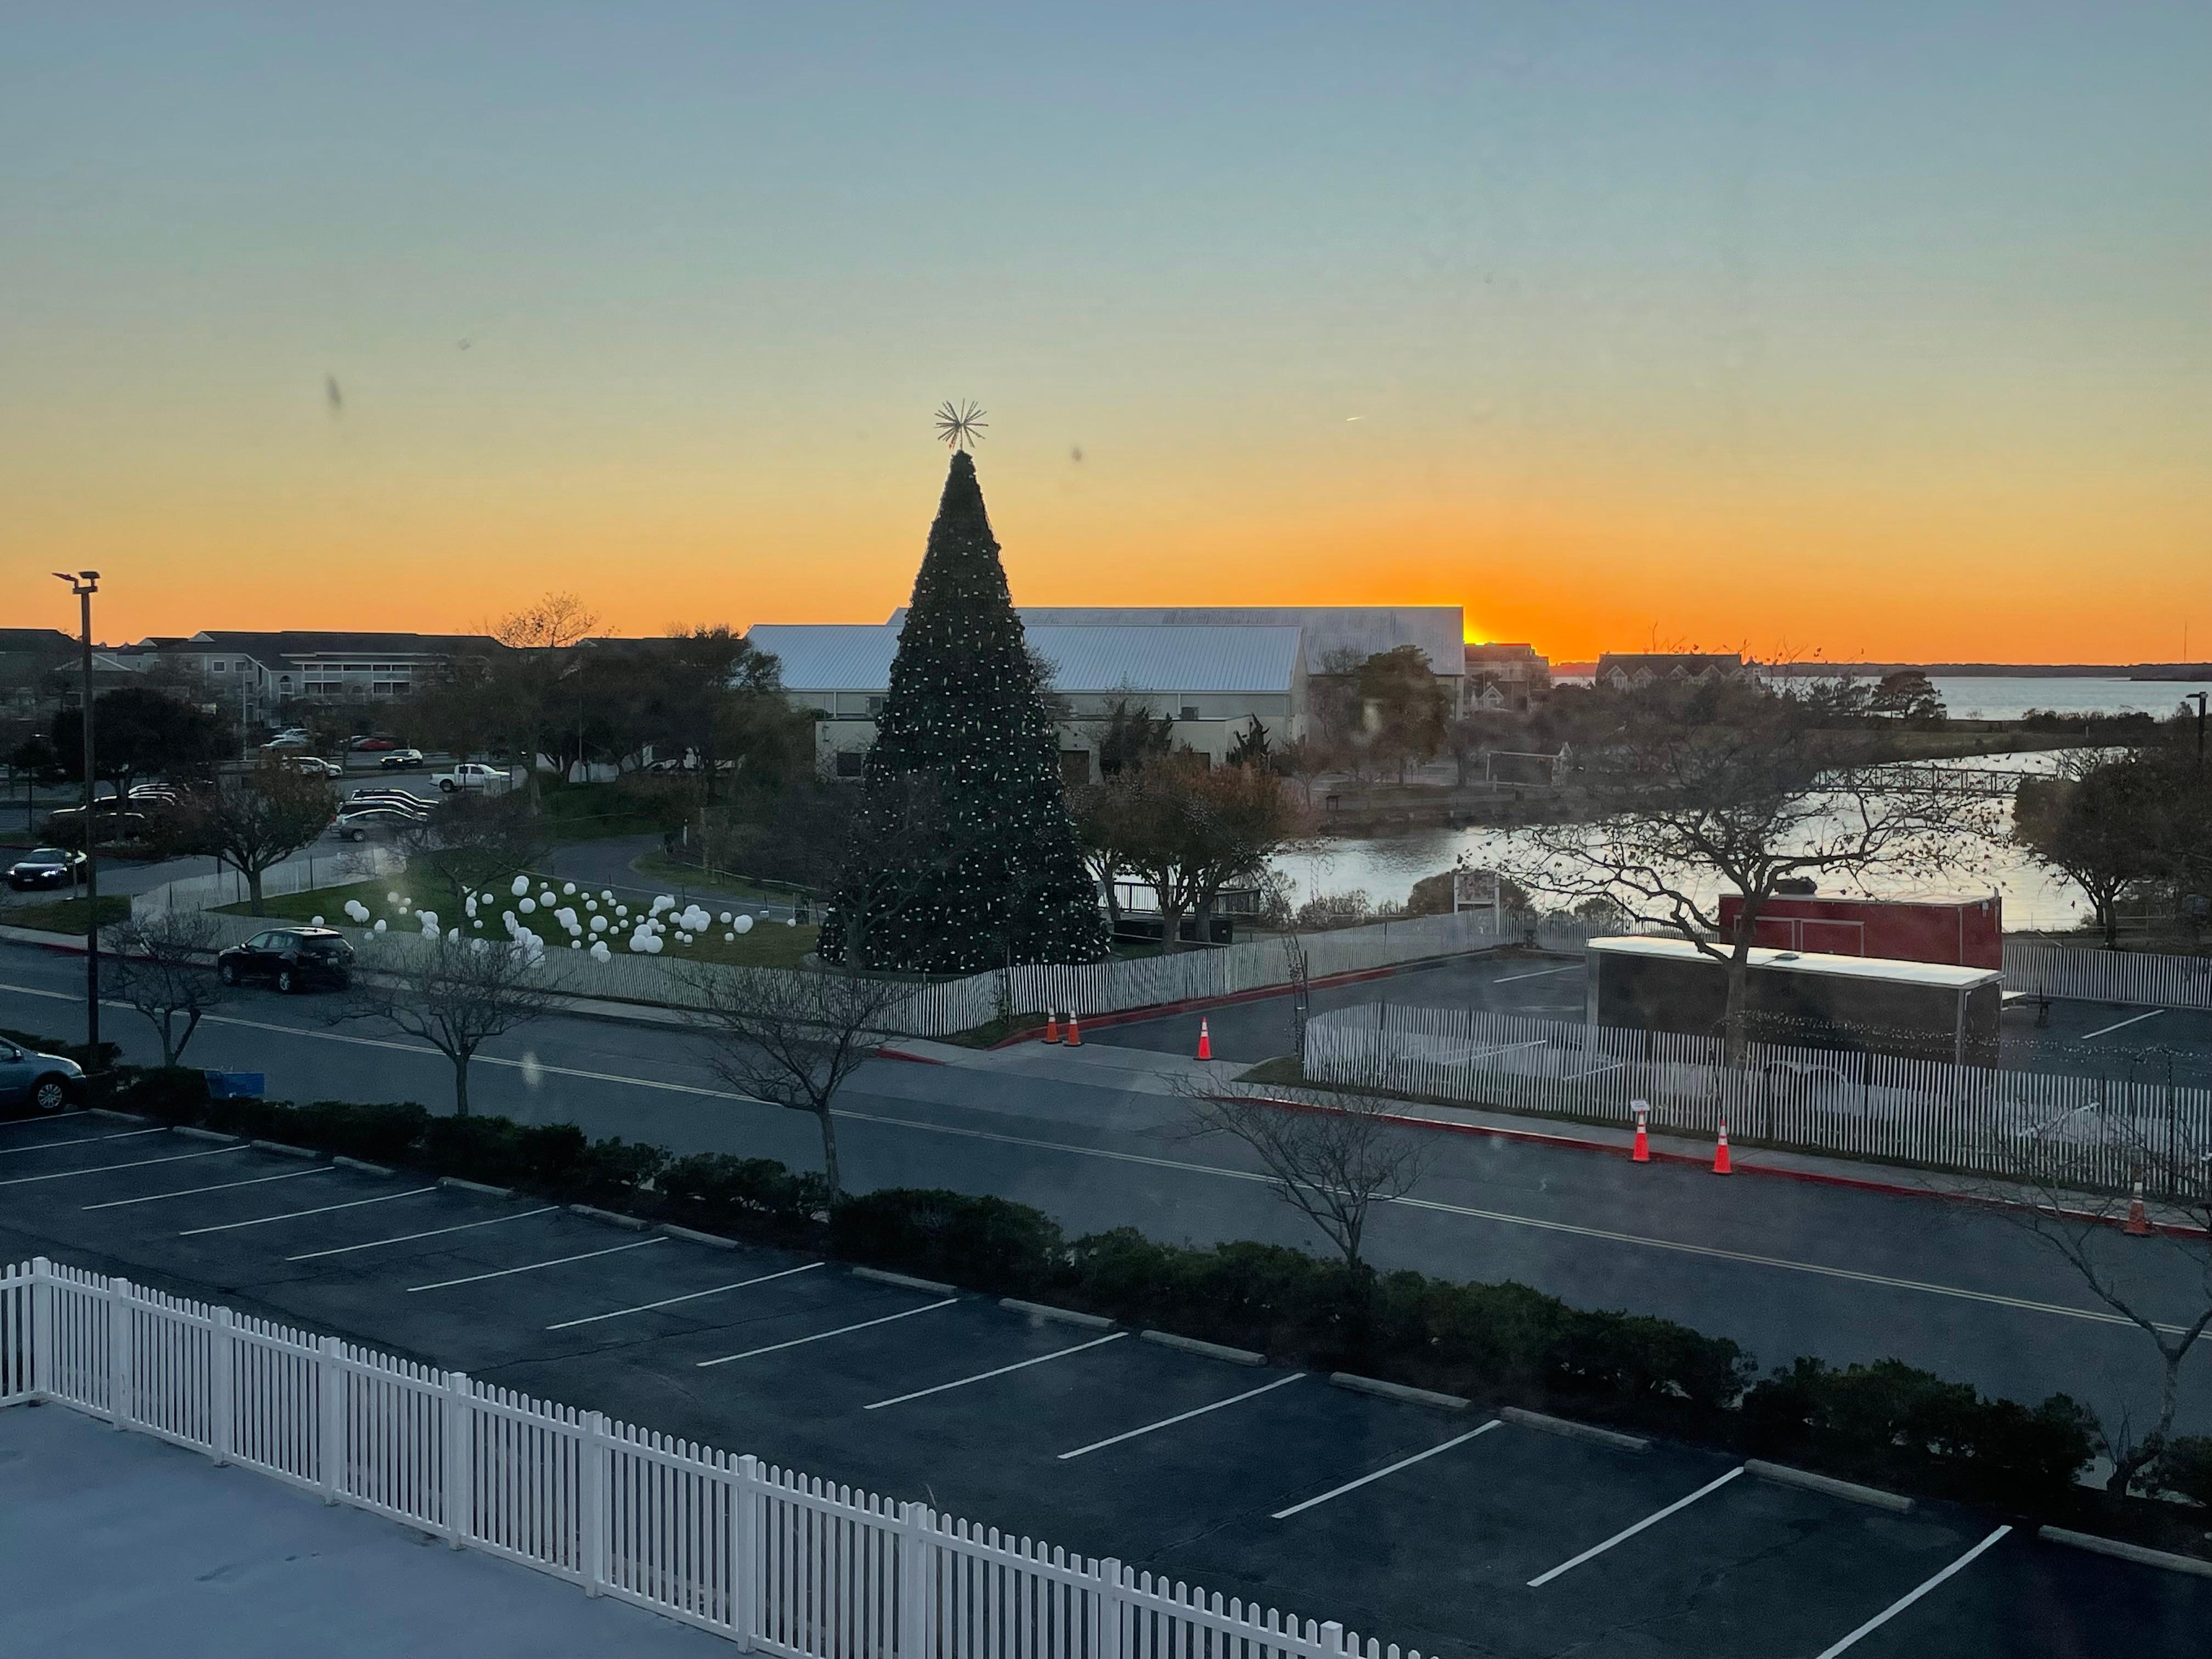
<point>1261,994</point>
<point>1204,1350</point>
<point>283,1151</point>
<point>694,1237</point>
<point>202,1134</point>
<point>2125,1551</point>
<point>1634,1443</point>
<point>343,1162</point>
<point>476,1187</point>
<point>1451,1402</point>
<point>1850,1492</point>
<point>1066,1316</point>
<point>911,1060</point>
<point>608,1216</point>
<point>109,1111</point>
<point>904,1282</point>
<point>1703,1161</point>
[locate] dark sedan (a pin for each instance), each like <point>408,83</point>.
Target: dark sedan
<point>46,866</point>
<point>291,958</point>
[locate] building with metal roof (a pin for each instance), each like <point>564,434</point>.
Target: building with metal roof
<point>1214,681</point>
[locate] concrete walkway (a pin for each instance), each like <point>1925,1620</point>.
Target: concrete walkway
<point>114,1546</point>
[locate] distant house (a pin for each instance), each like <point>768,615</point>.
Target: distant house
<point>1213,681</point>
<point>255,675</point>
<point>1503,679</point>
<point>28,657</point>
<point>1334,637</point>
<point>1633,671</point>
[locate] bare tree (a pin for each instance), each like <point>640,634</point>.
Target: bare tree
<point>161,966</point>
<point>457,994</point>
<point>257,822</point>
<point>1729,785</point>
<point>1331,1162</point>
<point>792,1039</point>
<point>2045,1189</point>
<point>470,839</point>
<point>521,683</point>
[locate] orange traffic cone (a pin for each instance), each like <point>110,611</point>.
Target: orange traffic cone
<point>2138,1219</point>
<point>1074,1031</point>
<point>1052,1025</point>
<point>1641,1154</point>
<point>1721,1164</point>
<point>1205,1042</point>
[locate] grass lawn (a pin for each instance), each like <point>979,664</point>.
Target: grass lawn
<point>66,916</point>
<point>770,944</point>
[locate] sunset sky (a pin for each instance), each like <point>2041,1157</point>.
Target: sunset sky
<point>1858,329</point>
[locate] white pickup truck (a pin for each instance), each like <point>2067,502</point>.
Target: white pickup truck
<point>473,775</point>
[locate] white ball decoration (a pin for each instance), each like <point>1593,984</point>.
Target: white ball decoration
<point>599,951</point>
<point>453,934</point>
<point>527,905</point>
<point>522,885</point>
<point>599,924</point>
<point>392,898</point>
<point>791,921</point>
<point>723,918</point>
<point>608,893</point>
<point>379,924</point>
<point>729,939</point>
<point>567,889</point>
<point>428,919</point>
<point>314,921</point>
<point>478,922</point>
<point>743,924</point>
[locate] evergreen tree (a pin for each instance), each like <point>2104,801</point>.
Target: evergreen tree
<point>963,856</point>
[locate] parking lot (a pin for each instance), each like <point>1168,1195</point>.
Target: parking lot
<point>1454,1531</point>
<point>2093,1038</point>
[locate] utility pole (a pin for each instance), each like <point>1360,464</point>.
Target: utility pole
<point>84,585</point>
<point>2199,695</point>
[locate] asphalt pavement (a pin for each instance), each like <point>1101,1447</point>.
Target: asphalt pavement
<point>1097,1139</point>
<point>1453,1531</point>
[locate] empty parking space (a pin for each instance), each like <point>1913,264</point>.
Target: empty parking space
<point>1449,1530</point>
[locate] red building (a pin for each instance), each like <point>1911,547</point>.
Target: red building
<point>1966,933</point>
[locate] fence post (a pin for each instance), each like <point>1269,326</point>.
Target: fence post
<point>1106,1604</point>
<point>744,1553</point>
<point>593,1454</point>
<point>915,1574</point>
<point>220,1386</point>
<point>457,1427</point>
<point>120,1365</point>
<point>43,1292</point>
<point>1332,1635</point>
<point>329,1403</point>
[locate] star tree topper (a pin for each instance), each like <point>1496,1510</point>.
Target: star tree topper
<point>961,425</point>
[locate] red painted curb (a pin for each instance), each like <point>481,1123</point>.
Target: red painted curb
<point>1813,1177</point>
<point>1192,1004</point>
<point>911,1060</point>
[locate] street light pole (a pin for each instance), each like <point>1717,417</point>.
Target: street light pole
<point>84,585</point>
<point>2199,695</point>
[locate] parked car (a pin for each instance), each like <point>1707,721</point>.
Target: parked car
<point>155,794</point>
<point>315,766</point>
<point>400,759</point>
<point>46,866</point>
<point>373,745</point>
<point>424,804</point>
<point>45,1082</point>
<point>294,738</point>
<point>473,775</point>
<point>292,958</point>
<point>357,820</point>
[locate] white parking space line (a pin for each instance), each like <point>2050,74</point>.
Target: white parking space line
<point>1541,972</point>
<point>1184,1416</point>
<point>824,1336</point>
<point>1627,1533</point>
<point>1368,1480</point>
<point>435,1233</point>
<point>294,1215</point>
<point>221,1187</point>
<point>670,1301</point>
<point>81,1141</point>
<point>985,1376</point>
<point>1712,1252</point>
<point>2108,1030</point>
<point>1905,1601</point>
<point>106,1168</point>
<point>532,1267</point>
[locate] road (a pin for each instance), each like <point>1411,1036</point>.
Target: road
<point>1094,1139</point>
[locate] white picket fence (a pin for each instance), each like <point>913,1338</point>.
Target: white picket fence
<point>2125,976</point>
<point>323,867</point>
<point>1963,1119</point>
<point>768,1557</point>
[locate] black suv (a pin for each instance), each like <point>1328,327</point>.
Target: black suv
<point>295,958</point>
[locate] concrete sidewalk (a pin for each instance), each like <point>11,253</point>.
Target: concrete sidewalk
<point>115,1546</point>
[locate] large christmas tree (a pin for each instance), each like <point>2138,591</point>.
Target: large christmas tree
<point>963,857</point>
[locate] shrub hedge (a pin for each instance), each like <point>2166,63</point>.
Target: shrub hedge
<point>1503,1343</point>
